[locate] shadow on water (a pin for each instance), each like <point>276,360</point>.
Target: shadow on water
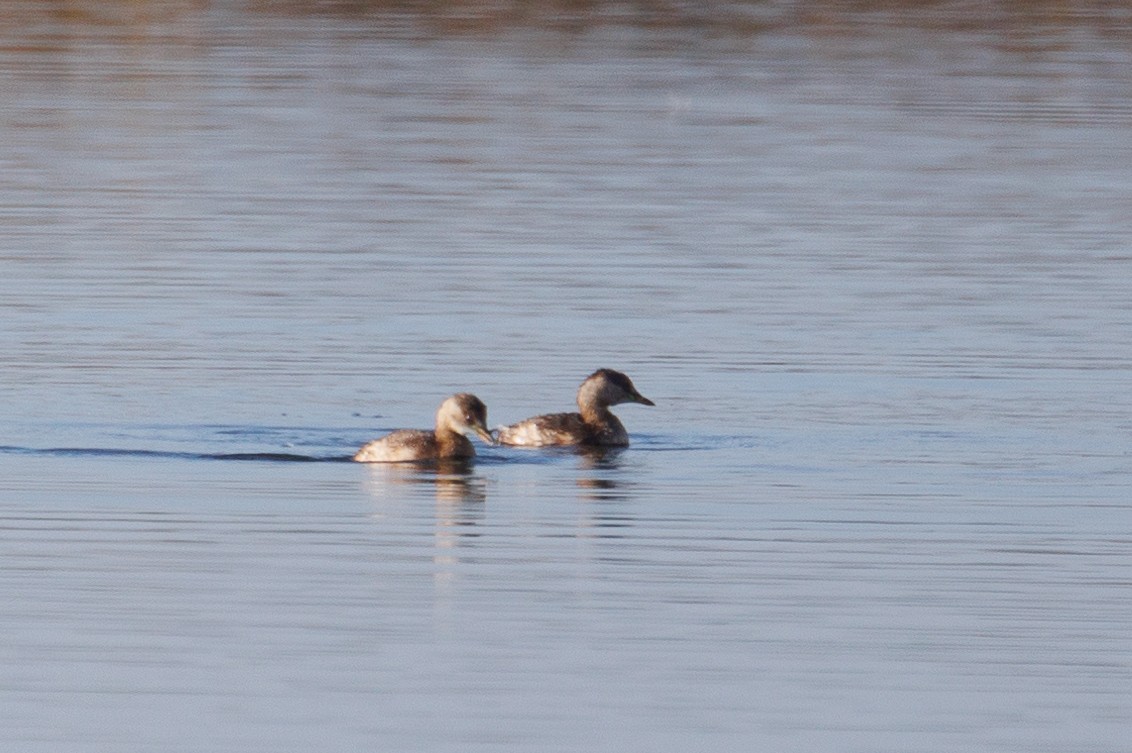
<point>93,452</point>
<point>596,461</point>
<point>735,18</point>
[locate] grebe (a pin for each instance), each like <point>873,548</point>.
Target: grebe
<point>595,425</point>
<point>457,416</point>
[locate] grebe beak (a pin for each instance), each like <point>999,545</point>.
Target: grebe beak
<point>639,398</point>
<point>483,434</point>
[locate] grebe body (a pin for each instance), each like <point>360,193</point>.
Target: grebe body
<point>593,425</point>
<point>457,416</point>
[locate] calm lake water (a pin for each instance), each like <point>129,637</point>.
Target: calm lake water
<point>873,264</point>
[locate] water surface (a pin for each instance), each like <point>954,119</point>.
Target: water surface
<point>871,264</point>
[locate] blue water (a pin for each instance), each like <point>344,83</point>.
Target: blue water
<point>871,266</point>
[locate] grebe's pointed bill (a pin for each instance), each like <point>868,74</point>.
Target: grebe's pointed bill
<point>638,397</point>
<point>483,433</point>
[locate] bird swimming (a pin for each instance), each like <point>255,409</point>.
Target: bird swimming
<point>458,416</point>
<point>594,425</point>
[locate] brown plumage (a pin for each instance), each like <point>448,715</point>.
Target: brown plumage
<point>593,425</point>
<point>457,416</point>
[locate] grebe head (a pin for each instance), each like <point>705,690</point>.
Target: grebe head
<point>609,387</point>
<point>465,414</point>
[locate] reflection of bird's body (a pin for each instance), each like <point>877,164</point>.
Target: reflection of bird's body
<point>456,417</point>
<point>594,425</point>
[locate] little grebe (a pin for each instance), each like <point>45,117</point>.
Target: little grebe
<point>457,416</point>
<point>594,425</point>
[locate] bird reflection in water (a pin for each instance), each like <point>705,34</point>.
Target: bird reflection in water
<point>459,492</point>
<point>460,495</point>
<point>601,483</point>
<point>453,481</point>
<point>598,473</point>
